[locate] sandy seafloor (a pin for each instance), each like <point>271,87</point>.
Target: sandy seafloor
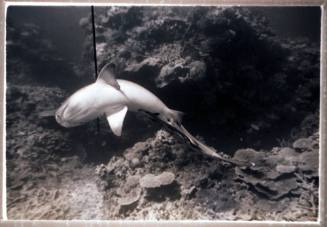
<point>246,91</point>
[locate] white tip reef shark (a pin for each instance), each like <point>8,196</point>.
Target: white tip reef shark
<point>113,98</point>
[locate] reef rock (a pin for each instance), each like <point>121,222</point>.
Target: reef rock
<point>151,181</point>
<point>130,193</point>
<point>277,174</point>
<point>303,144</point>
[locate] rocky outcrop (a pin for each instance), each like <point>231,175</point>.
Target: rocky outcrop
<point>169,174</point>
<point>280,173</point>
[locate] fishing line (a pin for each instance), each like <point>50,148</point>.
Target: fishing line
<point>95,56</point>
<point>94,44</point>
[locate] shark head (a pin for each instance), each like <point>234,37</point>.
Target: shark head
<point>71,114</point>
<point>64,116</point>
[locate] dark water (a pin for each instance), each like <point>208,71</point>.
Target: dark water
<point>294,21</point>
<point>61,24</point>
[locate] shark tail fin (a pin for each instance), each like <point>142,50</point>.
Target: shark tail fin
<point>177,115</point>
<point>209,150</point>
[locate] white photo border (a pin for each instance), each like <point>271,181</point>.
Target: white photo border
<point>322,216</point>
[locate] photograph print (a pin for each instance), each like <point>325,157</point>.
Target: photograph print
<point>162,113</point>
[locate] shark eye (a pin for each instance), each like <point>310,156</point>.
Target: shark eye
<point>58,116</point>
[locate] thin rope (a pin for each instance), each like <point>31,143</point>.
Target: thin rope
<point>95,57</point>
<point>94,44</point>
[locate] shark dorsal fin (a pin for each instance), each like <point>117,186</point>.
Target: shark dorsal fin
<point>107,75</point>
<point>116,120</point>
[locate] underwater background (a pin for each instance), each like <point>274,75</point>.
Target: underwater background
<point>246,78</point>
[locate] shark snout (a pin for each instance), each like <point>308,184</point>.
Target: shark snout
<point>60,116</point>
<point>60,120</point>
<point>72,114</point>
<point>64,122</point>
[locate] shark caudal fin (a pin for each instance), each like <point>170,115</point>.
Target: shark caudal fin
<point>208,150</point>
<point>195,142</point>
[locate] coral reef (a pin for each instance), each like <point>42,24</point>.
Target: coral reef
<point>245,91</point>
<point>173,182</point>
<point>277,174</point>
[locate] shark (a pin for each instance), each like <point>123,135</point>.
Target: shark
<point>114,98</point>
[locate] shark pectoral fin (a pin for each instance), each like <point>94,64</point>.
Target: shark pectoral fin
<point>116,121</point>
